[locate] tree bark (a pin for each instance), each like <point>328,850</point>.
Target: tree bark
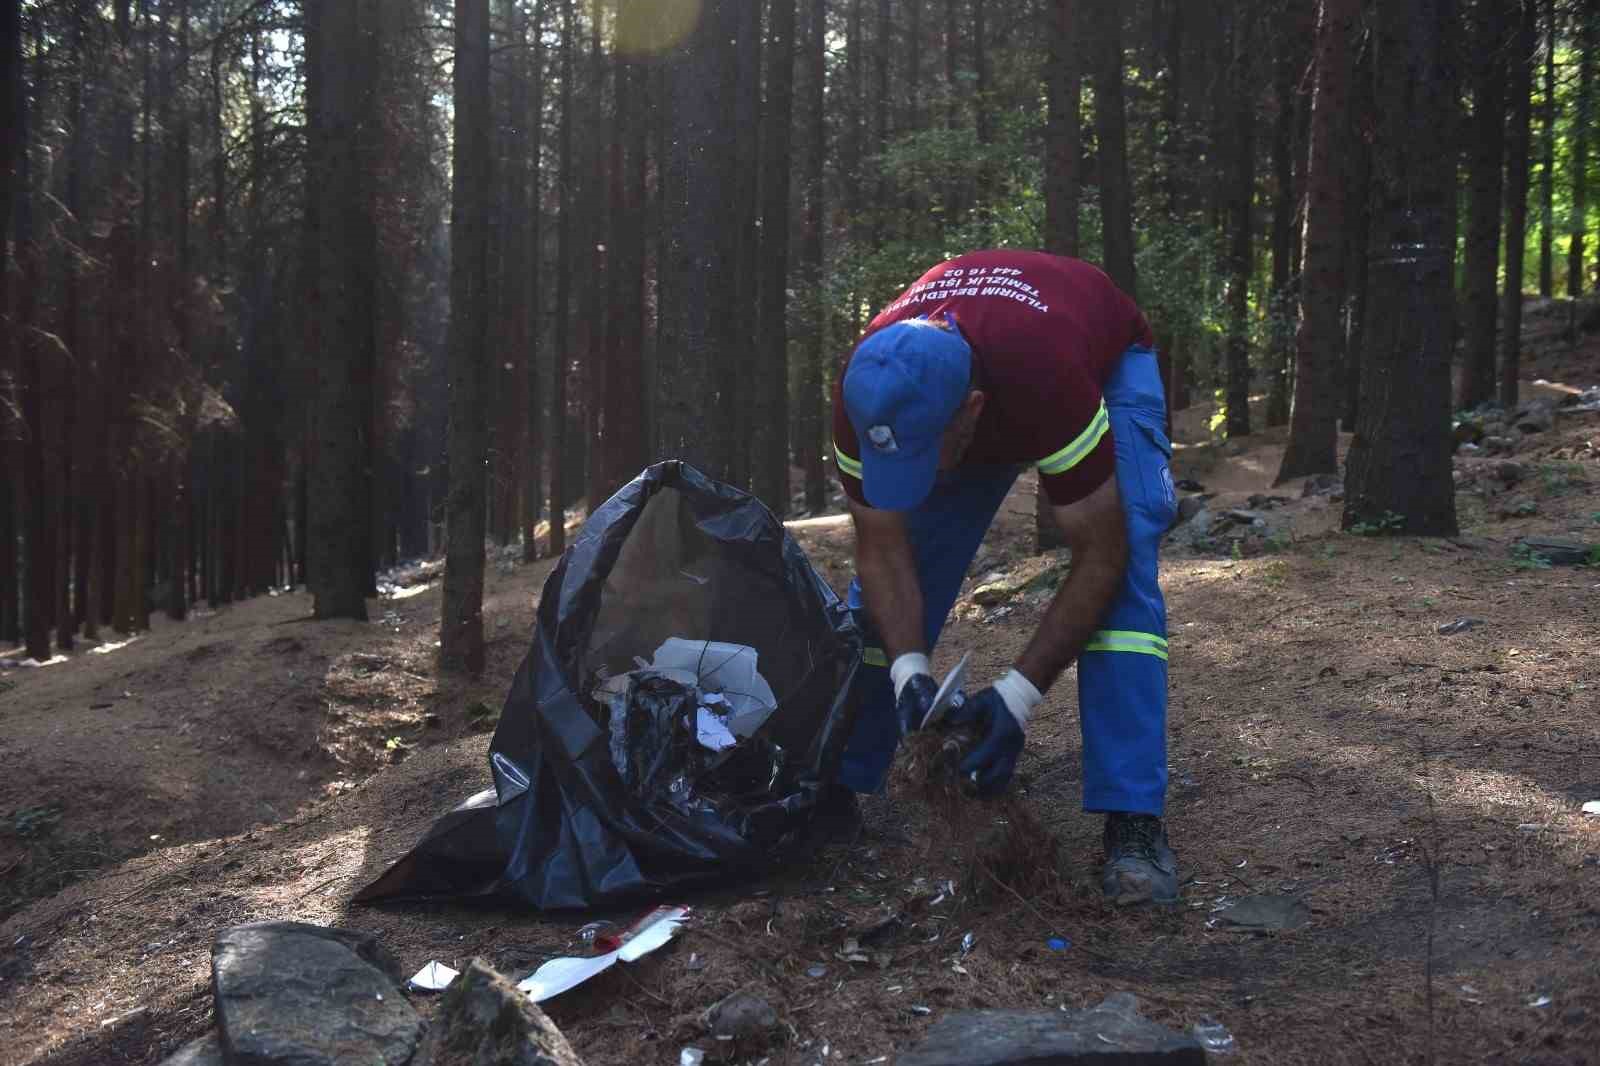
<point>39,532</point>
<point>461,627</point>
<point>772,466</point>
<point>1547,162</point>
<point>1313,435</point>
<point>1063,135</point>
<point>1241,196</point>
<point>1399,465</point>
<point>1519,84</point>
<point>533,297</point>
<point>1582,120</point>
<point>10,92</point>
<point>1280,307</point>
<point>1485,150</point>
<point>562,357</point>
<point>340,495</point>
<point>1063,147</point>
<point>1111,133</point>
<point>737,371</point>
<point>695,306</point>
<point>811,377</point>
<point>1362,133</point>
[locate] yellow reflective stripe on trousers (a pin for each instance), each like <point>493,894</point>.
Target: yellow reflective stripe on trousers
<point>875,657</point>
<point>1079,449</point>
<point>1128,641</point>
<point>848,465</point>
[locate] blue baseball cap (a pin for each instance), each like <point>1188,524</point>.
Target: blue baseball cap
<point>903,386</point>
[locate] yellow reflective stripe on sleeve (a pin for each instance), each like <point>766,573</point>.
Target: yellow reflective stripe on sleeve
<point>846,464</point>
<point>1079,449</point>
<point>1128,641</point>
<point>875,657</point>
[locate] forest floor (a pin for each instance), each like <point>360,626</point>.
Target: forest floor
<point>1418,792</point>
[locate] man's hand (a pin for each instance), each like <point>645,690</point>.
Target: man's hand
<point>914,690</point>
<point>998,714</point>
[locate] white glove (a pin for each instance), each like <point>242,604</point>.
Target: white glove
<point>1019,695</point>
<point>907,666</point>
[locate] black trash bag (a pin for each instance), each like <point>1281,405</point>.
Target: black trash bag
<point>599,800</point>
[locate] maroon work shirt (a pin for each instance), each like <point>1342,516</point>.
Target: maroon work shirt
<point>1046,332</point>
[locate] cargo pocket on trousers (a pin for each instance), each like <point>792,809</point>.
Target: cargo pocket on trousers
<point>1153,460</point>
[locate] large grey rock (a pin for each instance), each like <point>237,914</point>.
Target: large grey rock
<point>1190,506</point>
<point>484,1021</point>
<point>1111,1033</point>
<point>1536,416</point>
<point>1265,914</point>
<point>1331,485</point>
<point>207,1051</point>
<point>1560,551</point>
<point>741,1016</point>
<point>289,994</point>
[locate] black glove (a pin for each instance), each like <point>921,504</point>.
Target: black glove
<point>993,759</point>
<point>916,700</point>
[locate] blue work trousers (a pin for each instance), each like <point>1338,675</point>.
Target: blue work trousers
<point>1122,672</point>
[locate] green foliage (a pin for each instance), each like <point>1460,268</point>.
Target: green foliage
<point>1524,557</point>
<point>1558,479</point>
<point>34,821</point>
<point>1385,525</point>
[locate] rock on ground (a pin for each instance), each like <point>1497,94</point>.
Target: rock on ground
<point>484,1021</point>
<point>741,1016</point>
<point>289,994</point>
<point>1112,1032</point>
<point>207,1051</point>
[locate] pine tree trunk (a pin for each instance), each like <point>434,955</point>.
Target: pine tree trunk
<point>340,494</point>
<point>10,92</point>
<point>1313,436</point>
<point>1241,196</point>
<point>624,411</point>
<point>533,296</point>
<point>1547,163</point>
<point>1111,131</point>
<point>1280,331</point>
<point>598,240</point>
<point>1399,465</point>
<point>1519,84</point>
<point>1582,120</point>
<point>1063,137</point>
<point>695,312</point>
<point>1063,146</point>
<point>1358,241</point>
<point>1485,149</point>
<point>561,357</point>
<point>39,519</point>
<point>737,372</point>
<point>772,465</point>
<point>461,626</point>
<point>810,427</point>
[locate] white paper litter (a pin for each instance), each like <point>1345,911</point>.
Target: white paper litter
<point>711,731</point>
<point>645,936</point>
<point>1592,807</point>
<point>433,977</point>
<point>729,670</point>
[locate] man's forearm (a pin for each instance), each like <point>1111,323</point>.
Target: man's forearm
<point>894,601</point>
<point>1073,617</point>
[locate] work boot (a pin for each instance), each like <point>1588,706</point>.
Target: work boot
<point>1140,867</point>
<point>838,814</point>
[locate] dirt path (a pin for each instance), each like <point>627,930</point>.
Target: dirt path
<point>1417,792</point>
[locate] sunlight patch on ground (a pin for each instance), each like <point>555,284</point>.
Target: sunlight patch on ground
<point>407,593</point>
<point>329,865</point>
<point>827,521</point>
<point>105,649</point>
